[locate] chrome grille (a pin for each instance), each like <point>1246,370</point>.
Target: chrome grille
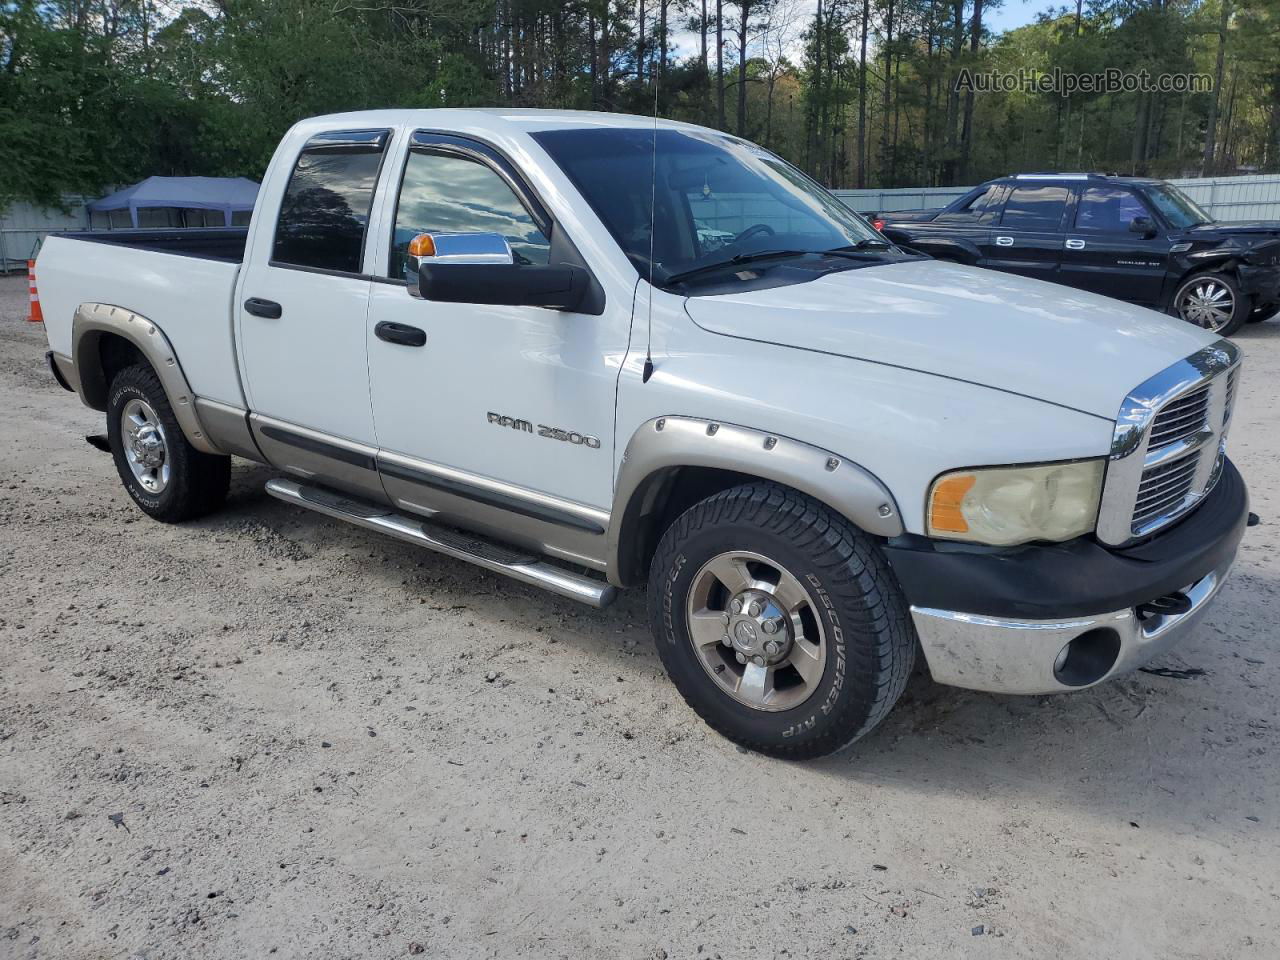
<point>1232,378</point>
<point>1168,445</point>
<point>1182,418</point>
<point>1163,487</point>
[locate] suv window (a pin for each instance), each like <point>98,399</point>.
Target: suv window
<point>325,210</point>
<point>1035,208</point>
<point>441,193</point>
<point>975,210</point>
<point>1109,208</point>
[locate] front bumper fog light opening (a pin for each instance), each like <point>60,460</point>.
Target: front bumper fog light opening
<point>1087,658</point>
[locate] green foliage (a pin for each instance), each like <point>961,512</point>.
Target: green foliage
<point>98,94</point>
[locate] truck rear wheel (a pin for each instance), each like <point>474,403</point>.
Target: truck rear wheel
<point>779,622</point>
<point>167,477</point>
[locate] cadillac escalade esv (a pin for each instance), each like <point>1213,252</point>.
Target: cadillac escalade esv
<point>1132,238</point>
<point>590,352</point>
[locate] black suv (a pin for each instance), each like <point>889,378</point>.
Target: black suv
<point>1126,237</point>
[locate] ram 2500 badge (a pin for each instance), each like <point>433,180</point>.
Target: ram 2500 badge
<point>590,354</point>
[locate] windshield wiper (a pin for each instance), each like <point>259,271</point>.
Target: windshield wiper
<point>866,243</point>
<point>735,261</point>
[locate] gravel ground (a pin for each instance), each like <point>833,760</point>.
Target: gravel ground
<point>267,733</point>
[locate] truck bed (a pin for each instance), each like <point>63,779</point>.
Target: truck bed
<point>182,280</point>
<point>217,243</point>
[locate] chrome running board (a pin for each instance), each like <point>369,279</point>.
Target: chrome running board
<point>452,543</point>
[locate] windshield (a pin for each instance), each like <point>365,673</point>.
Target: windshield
<point>1176,207</point>
<point>717,198</point>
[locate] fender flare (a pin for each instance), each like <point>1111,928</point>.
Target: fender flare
<point>92,322</point>
<point>664,443</point>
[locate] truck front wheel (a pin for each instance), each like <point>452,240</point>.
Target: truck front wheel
<point>167,477</point>
<point>1212,301</point>
<point>779,622</point>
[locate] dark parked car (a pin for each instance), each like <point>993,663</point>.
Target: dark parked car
<point>1136,239</point>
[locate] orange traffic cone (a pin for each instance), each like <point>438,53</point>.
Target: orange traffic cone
<point>36,316</point>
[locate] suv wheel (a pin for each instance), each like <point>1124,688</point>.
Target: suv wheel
<point>166,476</point>
<point>779,622</point>
<point>1212,301</point>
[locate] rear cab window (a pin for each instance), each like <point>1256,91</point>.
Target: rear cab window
<point>1035,207</point>
<point>324,215</point>
<point>1108,209</point>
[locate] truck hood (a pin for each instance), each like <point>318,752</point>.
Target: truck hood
<point>1029,337</point>
<point>1227,227</point>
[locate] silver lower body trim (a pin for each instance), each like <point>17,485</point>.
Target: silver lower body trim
<point>528,569</point>
<point>999,655</point>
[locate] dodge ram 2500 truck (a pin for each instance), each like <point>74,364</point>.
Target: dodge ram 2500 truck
<point>592,352</point>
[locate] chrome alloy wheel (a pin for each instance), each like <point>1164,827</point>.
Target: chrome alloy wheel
<point>756,631</point>
<point>1207,303</point>
<point>145,446</point>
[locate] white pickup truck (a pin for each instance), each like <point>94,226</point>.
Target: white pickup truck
<point>591,352</point>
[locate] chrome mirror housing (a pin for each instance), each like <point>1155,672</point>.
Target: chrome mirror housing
<point>455,248</point>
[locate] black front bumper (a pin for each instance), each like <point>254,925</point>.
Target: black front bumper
<point>1077,578</point>
<point>1262,283</point>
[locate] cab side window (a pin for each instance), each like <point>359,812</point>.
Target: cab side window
<point>325,210</point>
<point>443,193</point>
<point>979,209</point>
<point>1035,208</point>
<point>1109,208</point>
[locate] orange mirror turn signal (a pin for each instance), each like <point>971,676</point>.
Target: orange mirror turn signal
<point>423,245</point>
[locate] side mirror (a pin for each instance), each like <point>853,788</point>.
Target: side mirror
<point>480,268</point>
<point>1142,225</point>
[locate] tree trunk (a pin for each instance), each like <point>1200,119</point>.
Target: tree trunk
<point>720,65</point>
<point>862,94</point>
<point>745,7</point>
<point>1211,122</point>
<point>640,46</point>
<point>885,175</point>
<point>704,77</point>
<point>966,135</point>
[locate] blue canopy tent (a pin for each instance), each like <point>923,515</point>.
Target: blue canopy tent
<point>177,202</point>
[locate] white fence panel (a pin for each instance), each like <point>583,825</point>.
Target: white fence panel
<point>23,228</point>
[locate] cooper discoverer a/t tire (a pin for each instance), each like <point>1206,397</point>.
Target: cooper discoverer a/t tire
<point>779,622</point>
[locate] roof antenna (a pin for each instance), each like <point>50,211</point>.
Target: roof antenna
<point>653,214</point>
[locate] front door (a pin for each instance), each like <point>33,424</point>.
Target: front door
<point>1102,254</point>
<point>1027,240</point>
<point>501,417</point>
<point>301,314</point>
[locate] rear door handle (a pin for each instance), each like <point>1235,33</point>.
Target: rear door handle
<point>1075,244</point>
<point>400,333</point>
<point>264,308</point>
<point>1004,241</point>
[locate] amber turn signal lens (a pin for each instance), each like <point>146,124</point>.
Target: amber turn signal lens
<point>944,506</point>
<point>422,246</point>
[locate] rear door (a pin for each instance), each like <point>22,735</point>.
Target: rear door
<point>1102,254</point>
<point>1027,240</point>
<point>303,301</point>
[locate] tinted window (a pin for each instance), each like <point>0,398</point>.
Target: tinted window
<point>1035,208</point>
<point>716,196</point>
<point>1179,209</point>
<point>974,210</point>
<point>448,194</point>
<point>1108,208</point>
<point>326,208</point>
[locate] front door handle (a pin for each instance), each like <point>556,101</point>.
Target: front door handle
<point>264,308</point>
<point>1004,241</point>
<point>1075,244</point>
<point>400,333</point>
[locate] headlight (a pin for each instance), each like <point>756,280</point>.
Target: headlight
<point>1008,505</point>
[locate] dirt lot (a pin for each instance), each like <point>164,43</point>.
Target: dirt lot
<point>268,733</point>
